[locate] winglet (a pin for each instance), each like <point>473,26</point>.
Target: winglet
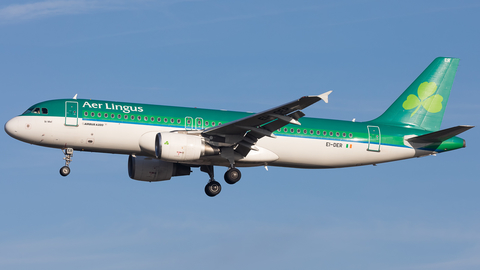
<point>324,96</point>
<point>75,97</point>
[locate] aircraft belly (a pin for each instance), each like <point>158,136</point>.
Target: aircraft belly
<point>92,136</point>
<point>317,153</point>
<point>117,138</point>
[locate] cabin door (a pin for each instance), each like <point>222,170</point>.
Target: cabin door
<point>188,123</point>
<point>71,113</point>
<point>374,138</point>
<point>198,123</point>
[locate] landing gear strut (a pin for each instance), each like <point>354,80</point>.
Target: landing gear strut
<point>213,188</point>
<point>65,170</point>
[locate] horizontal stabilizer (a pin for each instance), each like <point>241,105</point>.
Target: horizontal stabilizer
<point>439,136</point>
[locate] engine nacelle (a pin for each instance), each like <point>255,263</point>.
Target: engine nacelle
<point>151,169</point>
<point>181,147</point>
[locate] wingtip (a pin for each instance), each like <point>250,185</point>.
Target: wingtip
<point>324,96</point>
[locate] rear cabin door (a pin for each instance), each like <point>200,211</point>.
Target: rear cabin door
<point>374,138</point>
<point>71,113</point>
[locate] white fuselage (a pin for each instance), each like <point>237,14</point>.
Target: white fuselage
<point>122,138</point>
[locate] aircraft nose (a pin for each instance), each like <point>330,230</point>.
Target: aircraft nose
<point>11,127</point>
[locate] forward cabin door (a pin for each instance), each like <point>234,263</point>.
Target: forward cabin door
<point>374,138</point>
<point>71,113</point>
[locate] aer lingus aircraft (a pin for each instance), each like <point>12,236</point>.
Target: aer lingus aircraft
<point>166,141</point>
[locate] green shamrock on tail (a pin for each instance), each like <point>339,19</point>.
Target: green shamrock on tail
<point>431,103</point>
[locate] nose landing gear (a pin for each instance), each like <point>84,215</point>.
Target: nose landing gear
<point>65,170</point>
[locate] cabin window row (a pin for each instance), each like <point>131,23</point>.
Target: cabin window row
<point>147,118</point>
<point>318,132</point>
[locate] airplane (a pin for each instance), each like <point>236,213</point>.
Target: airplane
<point>166,141</point>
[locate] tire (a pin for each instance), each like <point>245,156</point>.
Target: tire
<point>232,176</point>
<point>65,170</point>
<point>213,188</point>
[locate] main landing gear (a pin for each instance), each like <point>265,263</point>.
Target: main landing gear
<point>65,170</point>
<point>213,187</point>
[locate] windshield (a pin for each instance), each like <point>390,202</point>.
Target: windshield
<point>29,110</point>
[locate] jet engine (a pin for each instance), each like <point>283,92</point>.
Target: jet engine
<point>182,147</point>
<point>151,169</point>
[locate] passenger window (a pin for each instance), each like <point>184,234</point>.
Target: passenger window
<point>44,111</point>
<point>36,110</point>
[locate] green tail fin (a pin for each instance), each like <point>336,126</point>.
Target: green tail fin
<point>423,104</point>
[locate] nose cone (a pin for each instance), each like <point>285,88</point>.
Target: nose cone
<point>11,127</point>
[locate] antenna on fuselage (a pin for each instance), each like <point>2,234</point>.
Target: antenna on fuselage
<point>75,97</point>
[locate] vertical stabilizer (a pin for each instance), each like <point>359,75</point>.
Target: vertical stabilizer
<point>423,104</point>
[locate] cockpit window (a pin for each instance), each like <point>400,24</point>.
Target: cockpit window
<point>29,110</point>
<point>36,110</point>
<point>44,111</point>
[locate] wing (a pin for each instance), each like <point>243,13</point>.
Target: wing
<point>242,134</point>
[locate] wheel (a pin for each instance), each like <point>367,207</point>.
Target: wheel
<point>213,188</point>
<point>232,176</point>
<point>65,170</point>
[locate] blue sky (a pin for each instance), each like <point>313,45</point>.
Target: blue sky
<point>417,214</point>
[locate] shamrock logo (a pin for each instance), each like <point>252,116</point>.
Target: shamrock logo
<point>166,143</point>
<point>426,99</point>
